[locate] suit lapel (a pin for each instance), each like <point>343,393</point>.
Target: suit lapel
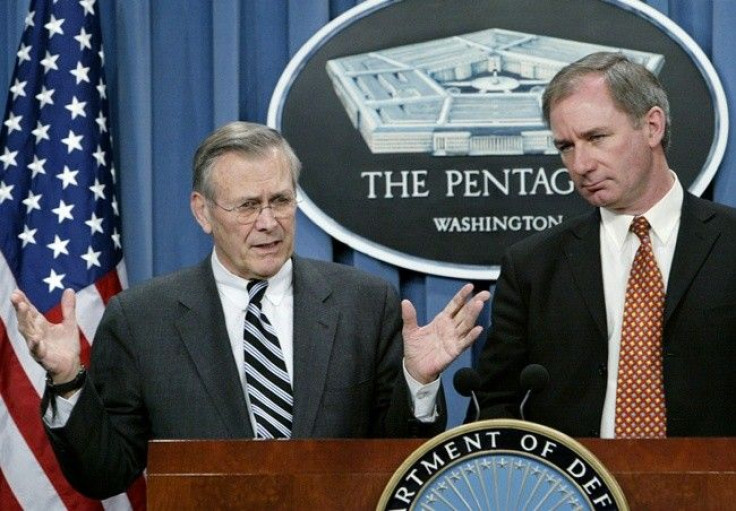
<point>201,326</point>
<point>583,254</point>
<point>694,241</point>
<point>315,324</point>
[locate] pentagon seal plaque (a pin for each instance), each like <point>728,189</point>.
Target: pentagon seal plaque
<point>502,464</point>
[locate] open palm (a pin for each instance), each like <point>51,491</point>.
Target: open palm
<point>53,345</point>
<point>429,349</point>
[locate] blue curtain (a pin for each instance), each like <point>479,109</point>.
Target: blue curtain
<point>177,69</point>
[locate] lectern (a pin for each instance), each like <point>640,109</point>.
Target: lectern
<point>672,474</point>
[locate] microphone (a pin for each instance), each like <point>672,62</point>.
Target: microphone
<point>466,381</point>
<point>533,378</point>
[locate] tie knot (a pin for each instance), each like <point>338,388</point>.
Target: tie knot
<point>256,290</point>
<point>640,226</point>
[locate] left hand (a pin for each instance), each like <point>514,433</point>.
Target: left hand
<point>428,350</point>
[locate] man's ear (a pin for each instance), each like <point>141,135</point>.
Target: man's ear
<point>655,122</point>
<point>201,212</point>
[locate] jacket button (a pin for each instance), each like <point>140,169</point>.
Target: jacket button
<point>602,369</point>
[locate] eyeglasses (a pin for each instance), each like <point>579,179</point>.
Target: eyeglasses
<point>281,206</point>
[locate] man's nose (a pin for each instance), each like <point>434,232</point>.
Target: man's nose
<point>580,161</point>
<point>265,219</point>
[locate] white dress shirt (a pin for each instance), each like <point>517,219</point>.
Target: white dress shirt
<point>278,306</point>
<point>618,248</point>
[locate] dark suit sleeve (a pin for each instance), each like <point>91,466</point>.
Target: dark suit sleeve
<point>393,402</point>
<point>103,448</point>
<point>505,352</point>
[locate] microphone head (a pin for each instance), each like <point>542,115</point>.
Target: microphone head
<point>466,381</point>
<point>534,377</point>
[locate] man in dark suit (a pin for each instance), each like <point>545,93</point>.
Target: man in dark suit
<point>560,297</point>
<point>168,357</point>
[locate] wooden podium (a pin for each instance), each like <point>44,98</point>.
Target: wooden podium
<point>677,473</point>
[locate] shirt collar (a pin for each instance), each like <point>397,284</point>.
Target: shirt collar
<point>235,288</point>
<point>664,217</point>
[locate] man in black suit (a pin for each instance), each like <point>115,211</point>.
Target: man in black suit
<point>559,300</point>
<point>168,356</point>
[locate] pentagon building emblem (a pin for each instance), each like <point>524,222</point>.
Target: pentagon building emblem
<point>471,94</point>
<point>421,136</point>
<point>502,464</point>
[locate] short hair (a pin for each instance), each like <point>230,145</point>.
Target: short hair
<point>634,89</point>
<point>246,138</point>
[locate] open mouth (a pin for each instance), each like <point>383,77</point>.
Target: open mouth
<point>267,246</point>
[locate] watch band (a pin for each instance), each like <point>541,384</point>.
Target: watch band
<point>63,388</point>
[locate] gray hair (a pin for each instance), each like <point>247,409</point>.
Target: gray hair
<point>246,138</point>
<point>634,89</point>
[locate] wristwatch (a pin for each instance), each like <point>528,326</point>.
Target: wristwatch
<point>63,388</point>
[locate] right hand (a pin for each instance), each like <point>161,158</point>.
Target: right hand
<point>53,345</point>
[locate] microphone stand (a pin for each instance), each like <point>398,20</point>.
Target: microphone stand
<point>523,403</point>
<point>476,405</point>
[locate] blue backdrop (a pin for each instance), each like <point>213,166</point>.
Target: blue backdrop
<point>176,69</point>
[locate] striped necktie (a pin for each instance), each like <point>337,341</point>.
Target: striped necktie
<point>269,388</point>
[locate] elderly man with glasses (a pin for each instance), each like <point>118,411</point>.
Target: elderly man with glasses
<point>254,342</point>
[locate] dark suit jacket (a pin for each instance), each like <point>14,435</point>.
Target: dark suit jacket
<point>549,309</point>
<point>162,367</point>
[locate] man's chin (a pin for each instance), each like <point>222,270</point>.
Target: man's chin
<point>599,199</point>
<point>266,271</point>
<point>267,266</point>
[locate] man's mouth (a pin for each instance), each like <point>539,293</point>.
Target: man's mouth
<point>594,187</point>
<point>267,246</point>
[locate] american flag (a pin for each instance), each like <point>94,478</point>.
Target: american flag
<point>59,228</point>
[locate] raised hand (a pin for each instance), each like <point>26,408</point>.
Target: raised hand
<point>428,350</point>
<point>53,345</point>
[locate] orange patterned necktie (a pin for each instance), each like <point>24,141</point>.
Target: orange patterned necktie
<point>640,405</point>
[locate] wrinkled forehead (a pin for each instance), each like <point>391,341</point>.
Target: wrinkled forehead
<point>237,174</point>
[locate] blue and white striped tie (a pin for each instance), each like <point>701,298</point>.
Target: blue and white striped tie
<point>269,388</point>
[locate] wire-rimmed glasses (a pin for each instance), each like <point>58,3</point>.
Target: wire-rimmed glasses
<point>281,206</point>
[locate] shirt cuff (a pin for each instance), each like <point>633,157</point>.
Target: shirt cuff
<point>64,409</point>
<point>423,397</point>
